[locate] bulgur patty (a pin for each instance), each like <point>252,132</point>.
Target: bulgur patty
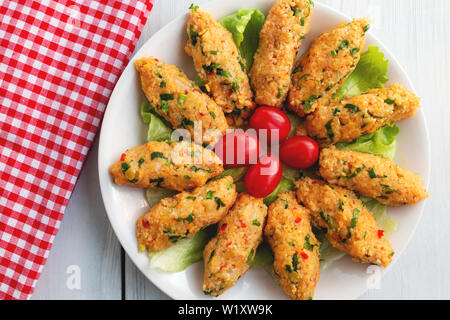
<point>324,67</point>
<point>295,248</point>
<point>218,62</point>
<point>350,226</point>
<point>371,176</point>
<point>172,165</point>
<point>279,39</point>
<point>229,255</point>
<point>177,99</point>
<point>347,119</point>
<point>185,214</point>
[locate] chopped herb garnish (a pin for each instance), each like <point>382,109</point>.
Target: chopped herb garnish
<point>372,173</point>
<point>166,96</point>
<point>336,111</point>
<point>186,122</point>
<point>334,53</point>
<point>366,28</point>
<point>213,52</point>
<point>229,186</point>
<point>353,222</point>
<point>190,218</point>
<point>330,132</point>
<point>343,44</point>
<point>389,101</point>
<point>162,84</point>
<point>235,86</point>
<point>308,102</point>
<point>358,170</point>
<point>187,177</point>
<point>181,99</point>
<point>256,223</point>
<point>140,162</point>
<point>280,93</point>
<point>307,244</point>
<point>164,106</point>
<point>222,72</point>
<point>193,8</point>
<point>212,255</point>
<point>352,107</point>
<point>288,268</point>
<point>209,194</point>
<point>157,181</point>
<point>191,197</point>
<point>219,203</point>
<point>355,51</point>
<point>213,115</point>
<point>124,167</point>
<point>341,205</point>
<point>195,169</point>
<point>296,11</point>
<point>193,35</point>
<point>155,155</point>
<point>302,21</point>
<point>294,262</point>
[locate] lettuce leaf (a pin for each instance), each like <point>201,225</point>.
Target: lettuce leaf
<point>370,73</point>
<point>245,25</point>
<point>158,128</point>
<point>184,253</point>
<point>381,142</point>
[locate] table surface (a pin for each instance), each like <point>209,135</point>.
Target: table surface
<point>417,33</point>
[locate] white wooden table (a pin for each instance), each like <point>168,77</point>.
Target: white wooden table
<point>418,33</point>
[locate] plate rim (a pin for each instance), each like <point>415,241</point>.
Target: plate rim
<point>163,29</point>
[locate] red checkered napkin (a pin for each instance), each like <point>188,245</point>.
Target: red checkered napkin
<point>59,61</point>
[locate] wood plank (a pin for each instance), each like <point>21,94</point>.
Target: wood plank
<point>85,242</point>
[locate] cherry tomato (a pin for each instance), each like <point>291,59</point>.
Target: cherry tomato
<point>238,149</point>
<point>262,178</point>
<point>272,119</point>
<point>299,152</point>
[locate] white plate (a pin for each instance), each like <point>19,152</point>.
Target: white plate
<point>122,129</point>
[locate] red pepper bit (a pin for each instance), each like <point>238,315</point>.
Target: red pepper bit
<point>186,91</point>
<point>145,224</point>
<point>223,227</point>
<point>156,59</point>
<point>221,267</point>
<point>380,233</point>
<point>230,92</point>
<point>211,74</point>
<point>229,244</point>
<point>122,157</point>
<point>202,114</point>
<point>243,225</point>
<point>196,90</point>
<point>298,220</point>
<point>304,255</point>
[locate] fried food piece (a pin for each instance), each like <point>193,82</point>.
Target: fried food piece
<point>279,39</point>
<point>175,98</point>
<point>371,176</point>
<point>324,67</point>
<point>185,214</point>
<point>347,119</point>
<point>229,255</point>
<point>295,248</point>
<point>170,165</point>
<point>219,64</point>
<point>350,226</point>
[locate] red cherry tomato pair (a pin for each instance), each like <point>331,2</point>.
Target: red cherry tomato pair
<point>240,148</point>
